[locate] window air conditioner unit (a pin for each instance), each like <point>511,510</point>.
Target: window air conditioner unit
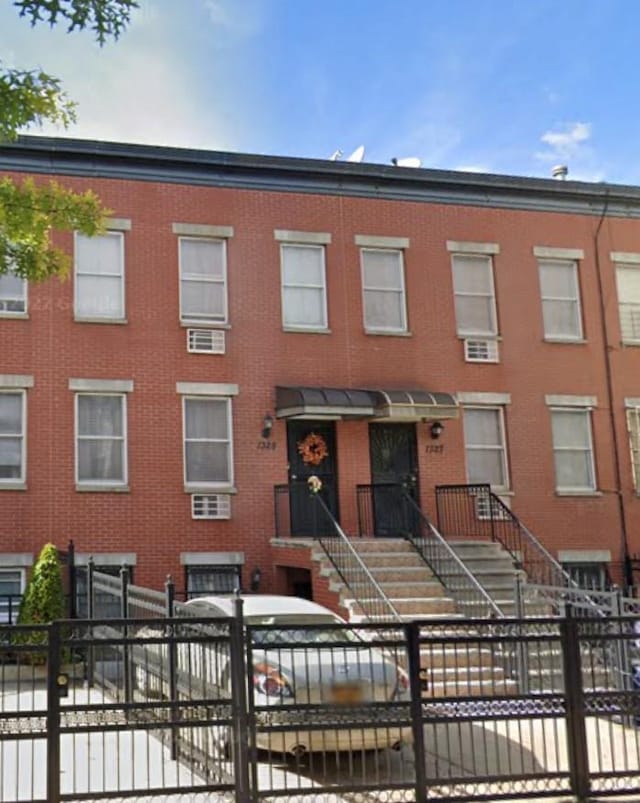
<point>210,506</point>
<point>206,341</point>
<point>481,350</point>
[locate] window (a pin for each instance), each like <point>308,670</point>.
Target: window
<point>13,294</point>
<point>474,296</point>
<point>100,276</point>
<point>628,281</point>
<point>101,439</point>
<point>106,605</point>
<point>11,588</point>
<point>12,437</point>
<point>204,580</point>
<point>560,299</point>
<point>304,295</point>
<point>383,289</point>
<point>573,450</point>
<point>208,458</point>
<point>203,280</point>
<point>633,424</point>
<point>485,447</point>
<point>593,576</point>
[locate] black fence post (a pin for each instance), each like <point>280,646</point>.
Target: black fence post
<point>412,635</point>
<point>170,592</point>
<point>91,663</point>
<point>71,568</point>
<point>573,688</point>
<point>124,614</point>
<point>53,713</point>
<point>239,710</point>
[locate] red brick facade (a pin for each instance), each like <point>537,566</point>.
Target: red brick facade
<point>153,518</point>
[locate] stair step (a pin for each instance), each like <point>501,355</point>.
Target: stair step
<point>362,545</point>
<point>429,588</point>
<point>418,607</point>
<point>470,688</point>
<point>455,655</point>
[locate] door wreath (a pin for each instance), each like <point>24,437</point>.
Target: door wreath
<point>313,449</point>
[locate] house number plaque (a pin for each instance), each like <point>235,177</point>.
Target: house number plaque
<point>433,448</point>
<point>265,445</point>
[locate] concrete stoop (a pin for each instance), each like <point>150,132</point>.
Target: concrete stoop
<point>416,594</point>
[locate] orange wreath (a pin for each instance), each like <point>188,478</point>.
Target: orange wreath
<point>313,449</point>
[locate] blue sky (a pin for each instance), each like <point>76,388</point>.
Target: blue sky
<point>504,86</point>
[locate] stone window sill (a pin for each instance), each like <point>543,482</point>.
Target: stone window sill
<point>13,486</point>
<point>97,488</point>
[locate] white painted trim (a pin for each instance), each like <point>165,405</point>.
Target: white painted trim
<point>584,555</point>
<point>14,560</point>
<point>304,237</point>
<point>404,327</point>
<point>301,327</point>
<point>101,385</point>
<point>632,402</point>
<point>16,381</point>
<point>122,276</point>
<point>18,483</point>
<point>107,558</point>
<point>211,320</point>
<point>106,485</point>
<point>206,389</point>
<point>492,399</point>
<point>211,558</point>
<point>467,247</point>
<point>550,252</point>
<point>499,490</point>
<point>373,241</point>
<point>203,230</point>
<point>118,224</point>
<point>208,487</point>
<point>552,400</point>
<point>630,258</point>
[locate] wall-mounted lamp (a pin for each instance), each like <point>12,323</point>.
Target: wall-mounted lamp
<point>267,425</point>
<point>436,430</point>
<point>256,577</point>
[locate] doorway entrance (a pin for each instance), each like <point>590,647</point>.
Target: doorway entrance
<point>393,453</point>
<point>304,518</point>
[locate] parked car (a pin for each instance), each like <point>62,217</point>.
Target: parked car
<point>303,655</point>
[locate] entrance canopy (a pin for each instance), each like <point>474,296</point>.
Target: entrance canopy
<point>375,404</point>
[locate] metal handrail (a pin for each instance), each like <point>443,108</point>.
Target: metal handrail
<point>442,558</point>
<point>493,519</point>
<point>346,550</point>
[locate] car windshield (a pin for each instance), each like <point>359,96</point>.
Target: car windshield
<point>291,630</point>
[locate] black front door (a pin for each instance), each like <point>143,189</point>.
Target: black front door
<point>306,519</point>
<point>394,465</point>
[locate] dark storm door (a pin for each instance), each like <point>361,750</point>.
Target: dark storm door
<point>306,517</point>
<point>394,465</point>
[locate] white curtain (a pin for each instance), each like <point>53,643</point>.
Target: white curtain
<point>100,438</point>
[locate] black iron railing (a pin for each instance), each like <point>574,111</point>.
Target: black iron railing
<point>474,511</point>
<point>393,510</point>
<point>295,516</point>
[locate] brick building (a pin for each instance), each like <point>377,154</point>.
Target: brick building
<point>150,403</point>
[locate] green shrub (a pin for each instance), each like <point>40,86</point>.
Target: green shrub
<point>43,601</point>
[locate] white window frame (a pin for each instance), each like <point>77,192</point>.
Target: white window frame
<point>192,487</point>
<point>633,413</point>
<point>503,448</point>
<point>210,321</point>
<point>25,298</point>
<point>99,483</point>
<point>402,291</point>
<point>325,317</point>
<point>97,317</point>
<point>579,336</point>
<point>575,489</point>
<point>462,332</point>
<point>15,607</point>
<point>12,481</point>
<point>627,266</point>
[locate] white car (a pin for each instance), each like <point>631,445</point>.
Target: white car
<point>303,656</point>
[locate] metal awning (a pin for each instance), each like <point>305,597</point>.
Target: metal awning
<point>374,404</point>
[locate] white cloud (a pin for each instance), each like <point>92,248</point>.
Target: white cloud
<point>569,140</point>
<point>241,21</point>
<point>480,168</point>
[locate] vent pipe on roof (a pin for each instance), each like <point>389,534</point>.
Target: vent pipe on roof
<point>560,172</point>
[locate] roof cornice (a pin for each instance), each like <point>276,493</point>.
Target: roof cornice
<point>92,158</point>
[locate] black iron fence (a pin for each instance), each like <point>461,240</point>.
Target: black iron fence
<point>418,711</point>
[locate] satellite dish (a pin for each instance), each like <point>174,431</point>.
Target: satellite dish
<point>357,155</point>
<point>408,161</point>
<point>335,155</point>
